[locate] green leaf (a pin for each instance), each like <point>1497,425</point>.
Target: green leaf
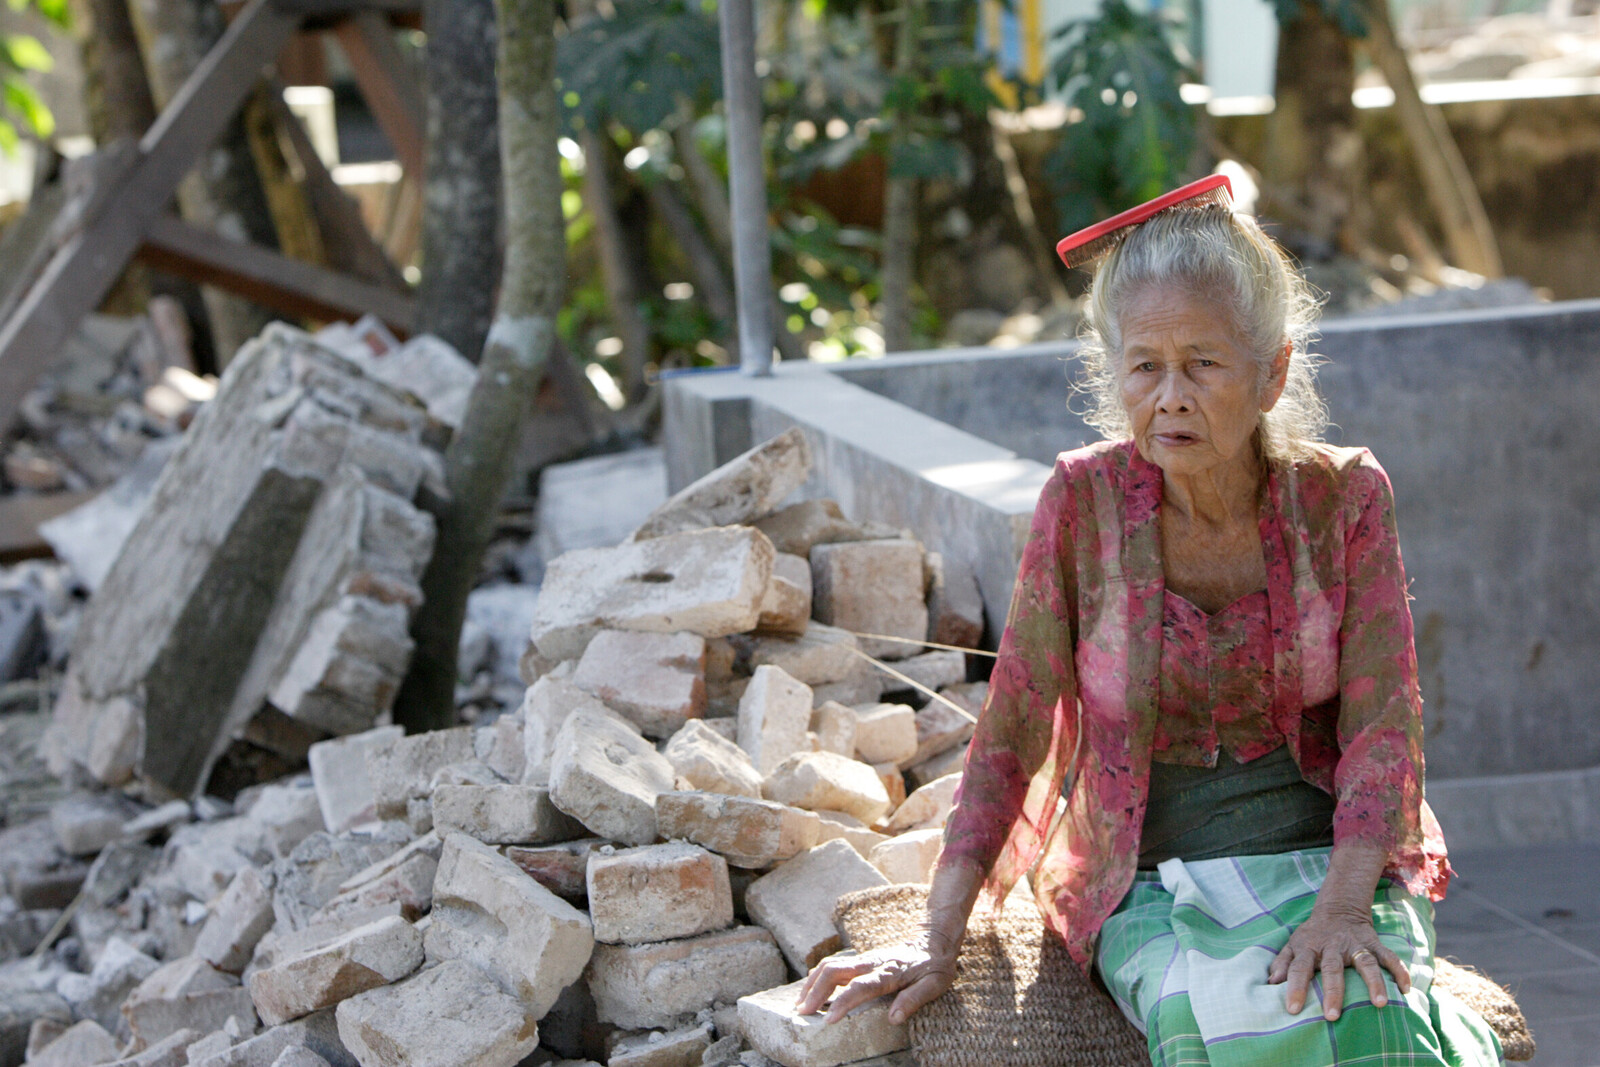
<point>26,53</point>
<point>640,65</point>
<point>20,99</point>
<point>8,138</point>
<point>923,157</point>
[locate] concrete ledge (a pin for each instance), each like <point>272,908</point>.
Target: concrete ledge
<point>1553,807</point>
<point>961,495</point>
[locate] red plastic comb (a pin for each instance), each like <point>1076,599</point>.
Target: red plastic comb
<point>1089,244</point>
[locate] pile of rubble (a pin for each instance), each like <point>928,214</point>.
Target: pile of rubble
<point>632,869</point>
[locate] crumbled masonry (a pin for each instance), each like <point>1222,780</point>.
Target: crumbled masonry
<point>631,868</point>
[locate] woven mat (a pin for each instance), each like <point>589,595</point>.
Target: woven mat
<point>1018,998</point>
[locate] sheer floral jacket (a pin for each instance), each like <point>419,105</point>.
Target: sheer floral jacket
<point>1073,697</point>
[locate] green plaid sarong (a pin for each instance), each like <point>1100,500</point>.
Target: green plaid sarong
<point>1186,953</point>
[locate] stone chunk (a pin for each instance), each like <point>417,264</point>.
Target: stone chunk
<point>658,893</point>
<point>452,1015</point>
<point>663,984</point>
<point>774,714</point>
<point>708,582</point>
<point>955,604</point>
<point>317,1032</point>
<point>937,767</point>
<point>872,587</point>
<point>339,773</point>
<point>836,825</point>
<point>745,488</point>
<point>933,670</point>
<point>746,832</point>
<point>86,823</point>
<point>886,733</point>
<point>404,879</point>
<point>486,911</point>
<point>288,814</point>
<point>894,783</point>
<point>824,781</point>
<point>940,728</point>
<point>365,958</point>
<point>508,747</point>
<point>562,869</point>
<point>909,857</point>
<point>242,915</point>
<point>349,665</point>
<point>170,1051</point>
<point>799,527</point>
<point>786,606</point>
<point>502,814</point>
<point>545,707</point>
<point>186,993</point>
<point>82,1045</point>
<point>928,807</point>
<point>680,1048</point>
<point>835,727</point>
<point>817,656</point>
<point>315,870</point>
<point>606,776</point>
<point>299,1056</point>
<point>655,680</point>
<point>99,994</point>
<point>403,770</point>
<point>708,761</point>
<point>795,901</point>
<point>771,1025</point>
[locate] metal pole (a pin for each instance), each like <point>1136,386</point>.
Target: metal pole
<point>747,195</point>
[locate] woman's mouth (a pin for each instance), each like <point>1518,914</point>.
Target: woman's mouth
<point>1176,438</point>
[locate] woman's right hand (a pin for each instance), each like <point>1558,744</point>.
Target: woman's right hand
<point>919,971</point>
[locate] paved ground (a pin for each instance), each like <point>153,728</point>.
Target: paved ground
<point>1530,918</point>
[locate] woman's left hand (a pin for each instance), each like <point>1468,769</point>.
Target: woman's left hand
<point>1329,941</point>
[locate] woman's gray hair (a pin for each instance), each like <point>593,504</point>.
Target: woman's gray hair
<point>1220,255</point>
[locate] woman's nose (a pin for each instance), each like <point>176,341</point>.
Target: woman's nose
<point>1172,396</point>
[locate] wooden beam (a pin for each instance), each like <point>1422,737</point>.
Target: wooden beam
<point>268,278</point>
<point>349,246</point>
<point>389,84</point>
<point>85,268</point>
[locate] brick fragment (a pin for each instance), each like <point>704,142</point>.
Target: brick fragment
<point>241,916</point>
<point>545,707</point>
<point>909,857</point>
<point>655,680</point>
<point>745,488</point>
<point>603,774</point>
<point>663,984</point>
<point>452,1015</point>
<point>502,814</point>
<point>561,868</point>
<point>403,770</point>
<point>928,807</point>
<point>835,726</point>
<point>885,733</point>
<point>872,587</point>
<point>796,899</point>
<point>658,893</point>
<point>704,758</point>
<point>786,605</point>
<point>745,831</point>
<point>339,774</point>
<point>774,714</point>
<point>772,1026</point>
<point>820,781</point>
<point>368,956</point>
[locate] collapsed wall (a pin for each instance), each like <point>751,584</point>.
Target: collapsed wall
<point>278,557</point>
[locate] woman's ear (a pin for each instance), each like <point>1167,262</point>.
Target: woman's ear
<point>1277,377</point>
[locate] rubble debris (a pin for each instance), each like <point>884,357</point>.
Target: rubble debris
<point>796,899</point>
<point>872,587</point>
<point>744,489</point>
<point>708,582</point>
<point>296,478</point>
<point>800,527</point>
<point>565,883</point>
<point>955,603</point>
<point>663,984</point>
<point>452,1015</point>
<point>658,893</point>
<point>771,1024</point>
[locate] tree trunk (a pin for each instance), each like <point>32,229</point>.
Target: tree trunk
<point>710,280</point>
<point>622,286</point>
<point>711,197</point>
<point>460,222</point>
<point>116,93</point>
<point>1444,173</point>
<point>478,462</point>
<point>900,208</point>
<point>1314,164</point>
<point>225,194</point>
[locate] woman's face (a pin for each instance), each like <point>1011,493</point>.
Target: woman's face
<point>1191,387</point>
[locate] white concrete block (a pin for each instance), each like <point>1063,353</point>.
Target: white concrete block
<point>663,984</point>
<point>452,1015</point>
<point>796,899</point>
<point>658,893</point>
<point>369,956</point>
<point>747,832</point>
<point>774,714</point>
<point>825,781</point>
<point>885,733</point>
<point>704,758</point>
<point>772,1026</point>
<point>339,773</point>
<point>606,776</point>
<point>657,681</point>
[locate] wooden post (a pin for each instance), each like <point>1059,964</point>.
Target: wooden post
<point>81,273</point>
<point>388,83</point>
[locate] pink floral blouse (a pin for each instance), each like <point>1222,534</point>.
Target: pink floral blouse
<point>1074,696</point>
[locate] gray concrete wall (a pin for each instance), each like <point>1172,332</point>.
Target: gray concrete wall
<point>1489,425</point>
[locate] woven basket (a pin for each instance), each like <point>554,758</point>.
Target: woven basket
<point>1019,1000</point>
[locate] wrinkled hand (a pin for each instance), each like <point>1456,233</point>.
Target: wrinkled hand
<point>1330,942</point>
<point>919,971</point>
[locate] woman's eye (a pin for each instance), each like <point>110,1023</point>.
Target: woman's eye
<point>1146,367</point>
<point>1205,363</point>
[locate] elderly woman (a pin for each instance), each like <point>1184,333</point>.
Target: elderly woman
<point>1203,735</point>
